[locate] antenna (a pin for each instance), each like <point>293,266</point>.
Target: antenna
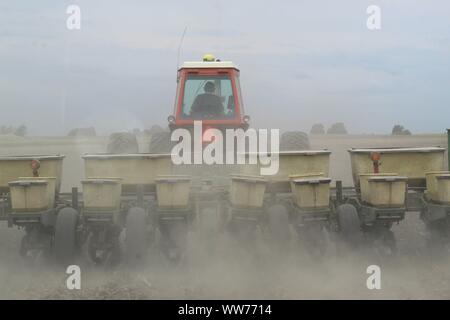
<point>179,47</point>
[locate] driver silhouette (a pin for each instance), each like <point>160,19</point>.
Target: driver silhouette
<point>208,103</point>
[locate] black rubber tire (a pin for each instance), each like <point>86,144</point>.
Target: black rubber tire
<point>122,143</point>
<point>136,235</point>
<point>160,143</point>
<point>65,241</point>
<point>294,141</point>
<point>349,223</point>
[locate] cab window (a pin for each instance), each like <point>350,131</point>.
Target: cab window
<point>208,97</point>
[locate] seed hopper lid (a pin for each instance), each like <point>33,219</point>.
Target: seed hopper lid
<point>445,176</point>
<point>173,178</point>
<point>437,172</point>
<point>100,178</point>
<point>108,156</point>
<point>32,157</point>
<point>311,181</point>
<point>37,178</point>
<point>380,174</point>
<point>101,181</point>
<point>25,183</point>
<point>248,178</point>
<point>388,179</point>
<point>289,153</point>
<point>397,150</point>
<point>303,176</point>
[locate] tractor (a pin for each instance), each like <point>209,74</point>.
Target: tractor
<point>207,91</point>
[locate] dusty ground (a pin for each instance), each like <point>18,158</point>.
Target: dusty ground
<point>224,270</point>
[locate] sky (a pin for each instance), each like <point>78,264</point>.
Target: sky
<point>301,62</point>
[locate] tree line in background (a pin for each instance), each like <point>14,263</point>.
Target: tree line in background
<point>339,128</point>
<point>91,132</point>
<point>20,131</point>
<point>400,130</point>
<point>335,128</point>
<point>318,128</point>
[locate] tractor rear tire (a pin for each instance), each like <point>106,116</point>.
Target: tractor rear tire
<point>65,242</point>
<point>160,143</point>
<point>122,142</point>
<point>294,141</point>
<point>136,235</point>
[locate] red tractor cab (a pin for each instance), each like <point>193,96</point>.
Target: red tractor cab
<point>208,91</point>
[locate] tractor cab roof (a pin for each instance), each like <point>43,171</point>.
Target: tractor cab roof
<point>208,64</point>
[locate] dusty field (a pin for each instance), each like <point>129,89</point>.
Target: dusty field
<point>225,270</point>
